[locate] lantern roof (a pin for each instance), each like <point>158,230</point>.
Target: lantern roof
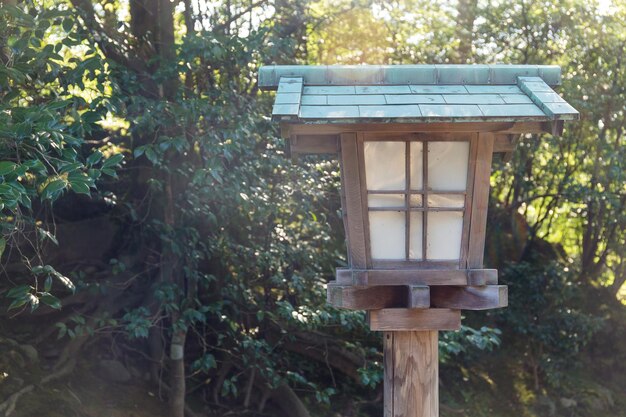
<point>415,93</point>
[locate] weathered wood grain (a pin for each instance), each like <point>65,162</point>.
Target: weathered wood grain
<point>364,203</point>
<point>388,361</point>
<point>288,129</point>
<point>374,277</point>
<point>470,298</point>
<point>401,319</point>
<point>478,277</point>
<point>411,378</point>
<point>354,211</point>
<point>368,298</point>
<point>418,296</point>
<point>480,200</point>
<point>314,144</point>
<point>505,143</point>
<point>467,214</point>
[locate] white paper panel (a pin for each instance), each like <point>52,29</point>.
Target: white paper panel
<point>447,166</point>
<point>387,234</point>
<point>446,200</point>
<point>417,165</point>
<point>443,237</point>
<point>415,236</point>
<point>385,165</point>
<point>417,200</point>
<point>385,200</point>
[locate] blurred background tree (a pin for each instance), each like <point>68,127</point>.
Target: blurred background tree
<point>158,246</point>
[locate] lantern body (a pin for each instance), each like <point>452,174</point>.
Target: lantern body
<point>408,203</point>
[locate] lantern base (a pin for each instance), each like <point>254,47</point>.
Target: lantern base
<point>411,361</point>
<point>414,319</point>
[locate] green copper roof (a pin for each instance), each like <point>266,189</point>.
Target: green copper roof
<point>415,93</point>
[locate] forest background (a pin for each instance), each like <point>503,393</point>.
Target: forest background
<point>148,207</point>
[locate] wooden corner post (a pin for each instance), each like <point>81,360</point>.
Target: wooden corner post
<point>411,362</point>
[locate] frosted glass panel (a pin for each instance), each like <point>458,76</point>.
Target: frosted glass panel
<point>385,165</point>
<point>417,200</point>
<point>446,200</point>
<point>447,165</point>
<point>443,237</point>
<point>387,234</point>
<point>417,165</point>
<point>385,200</point>
<point>415,236</point>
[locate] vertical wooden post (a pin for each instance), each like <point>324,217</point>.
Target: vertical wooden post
<point>411,362</point>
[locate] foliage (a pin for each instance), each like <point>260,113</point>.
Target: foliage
<point>44,118</point>
<point>545,311</point>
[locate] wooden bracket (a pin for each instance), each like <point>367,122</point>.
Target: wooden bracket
<point>470,298</point>
<point>418,296</point>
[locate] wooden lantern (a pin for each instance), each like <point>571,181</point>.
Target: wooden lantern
<point>415,143</point>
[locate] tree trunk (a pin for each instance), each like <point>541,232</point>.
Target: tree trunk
<point>466,14</point>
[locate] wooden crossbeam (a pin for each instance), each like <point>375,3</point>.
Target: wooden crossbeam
<point>290,129</point>
<point>417,297</point>
<point>400,319</point>
<point>432,277</point>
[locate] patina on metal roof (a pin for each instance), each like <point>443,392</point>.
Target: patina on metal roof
<point>415,93</point>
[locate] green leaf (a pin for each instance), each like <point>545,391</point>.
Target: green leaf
<point>139,151</point>
<point>58,105</point>
<point>68,24</point>
<point>19,302</point>
<point>62,330</point>
<point>19,291</point>
<point>53,187</point>
<point>3,245</point>
<point>80,187</point>
<point>94,158</point>
<point>50,300</point>
<point>47,286</point>
<point>113,161</point>
<point>151,155</point>
<point>65,281</point>
<point>109,172</point>
<point>20,15</point>
<point>90,117</point>
<point>70,167</point>
<point>6,167</point>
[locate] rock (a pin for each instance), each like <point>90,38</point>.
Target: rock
<point>30,352</point>
<point>114,371</point>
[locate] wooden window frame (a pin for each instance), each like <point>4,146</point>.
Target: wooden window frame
<point>425,138</point>
<point>355,206</point>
